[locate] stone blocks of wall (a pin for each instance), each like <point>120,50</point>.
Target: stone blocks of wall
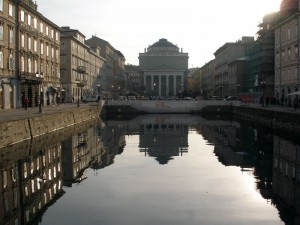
<point>14,130</point>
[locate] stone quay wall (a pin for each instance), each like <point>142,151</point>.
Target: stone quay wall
<point>12,132</point>
<point>278,120</point>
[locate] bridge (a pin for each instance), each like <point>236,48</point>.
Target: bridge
<point>168,106</point>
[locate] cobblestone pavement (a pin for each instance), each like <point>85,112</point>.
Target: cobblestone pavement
<point>15,114</point>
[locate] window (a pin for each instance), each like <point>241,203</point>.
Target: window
<point>57,54</point>
<point>296,30</point>
<point>1,5</point>
<point>42,48</point>
<point>35,45</point>
<point>296,51</point>
<point>41,27</point>
<point>35,65</point>
<point>29,65</point>
<point>35,23</point>
<point>29,20</point>
<point>289,53</point>
<point>22,16</point>
<point>62,45</point>
<point>1,32</point>
<point>47,50</point>
<point>22,64</point>
<point>11,35</point>
<point>296,73</point>
<point>52,52</point>
<point>289,33</point>
<point>52,33</point>
<point>62,59</point>
<point>11,10</point>
<point>62,74</point>
<point>47,30</point>
<point>11,63</point>
<point>29,43</point>
<point>22,40</point>
<point>56,36</point>
<point>1,60</point>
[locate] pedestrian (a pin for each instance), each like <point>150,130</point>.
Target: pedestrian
<point>296,102</point>
<point>26,103</point>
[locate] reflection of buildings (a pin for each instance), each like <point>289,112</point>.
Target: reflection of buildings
<point>32,173</point>
<point>163,141</point>
<point>286,179</point>
<point>30,183</point>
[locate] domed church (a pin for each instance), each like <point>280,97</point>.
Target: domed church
<point>164,69</point>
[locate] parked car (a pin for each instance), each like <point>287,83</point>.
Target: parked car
<point>188,98</point>
<point>232,98</point>
<point>91,98</point>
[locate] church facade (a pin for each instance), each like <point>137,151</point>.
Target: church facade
<point>163,69</point>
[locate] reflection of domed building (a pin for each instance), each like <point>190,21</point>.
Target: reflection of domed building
<point>164,69</point>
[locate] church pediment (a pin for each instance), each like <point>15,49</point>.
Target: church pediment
<point>163,67</point>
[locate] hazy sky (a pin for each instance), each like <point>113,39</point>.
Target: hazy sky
<point>199,27</point>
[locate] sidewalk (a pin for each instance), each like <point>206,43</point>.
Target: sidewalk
<point>16,114</point>
<point>277,108</point>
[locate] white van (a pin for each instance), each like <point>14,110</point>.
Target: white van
<point>91,98</point>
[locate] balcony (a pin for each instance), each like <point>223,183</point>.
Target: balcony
<point>81,69</point>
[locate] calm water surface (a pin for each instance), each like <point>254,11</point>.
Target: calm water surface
<point>166,169</point>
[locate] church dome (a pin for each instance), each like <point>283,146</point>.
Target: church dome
<point>163,45</point>
<point>288,7</point>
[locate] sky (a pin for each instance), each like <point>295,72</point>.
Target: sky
<point>198,27</point>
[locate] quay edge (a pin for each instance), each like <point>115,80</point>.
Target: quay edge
<point>15,131</point>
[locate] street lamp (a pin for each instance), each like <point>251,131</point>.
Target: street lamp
<point>263,83</point>
<point>238,89</point>
<point>78,85</point>
<point>40,78</point>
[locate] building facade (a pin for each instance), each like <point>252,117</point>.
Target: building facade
<point>164,69</point>
<point>80,66</point>
<point>133,79</point>
<point>112,74</point>
<point>29,55</point>
<point>223,56</point>
<point>287,77</point>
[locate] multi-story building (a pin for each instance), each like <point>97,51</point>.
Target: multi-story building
<point>208,80</point>
<point>80,65</point>
<point>112,74</point>
<point>236,74</point>
<point>29,55</point>
<point>164,69</point>
<point>287,77</point>
<point>223,56</point>
<point>259,74</point>
<point>133,79</point>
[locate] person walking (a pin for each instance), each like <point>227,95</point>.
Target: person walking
<point>26,103</point>
<point>296,102</point>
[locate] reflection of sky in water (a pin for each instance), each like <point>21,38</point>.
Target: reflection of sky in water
<point>192,189</point>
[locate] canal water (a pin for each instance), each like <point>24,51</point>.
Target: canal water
<point>154,169</point>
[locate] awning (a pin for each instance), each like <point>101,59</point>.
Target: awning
<point>294,93</point>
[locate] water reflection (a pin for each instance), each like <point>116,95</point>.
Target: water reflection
<point>34,173</point>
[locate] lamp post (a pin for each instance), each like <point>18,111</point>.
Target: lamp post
<point>238,89</point>
<point>263,83</point>
<point>78,85</point>
<point>40,78</point>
